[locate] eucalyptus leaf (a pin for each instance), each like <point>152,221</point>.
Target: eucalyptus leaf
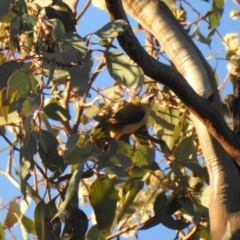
<point>47,148</point>
<point>71,189</point>
<point>42,221</point>
<point>185,148</point>
<point>56,112</point>
<point>104,207</point>
<point>124,70</point>
<point>215,13</point>
<point>13,214</point>
<point>130,191</point>
<point>80,154</point>
<point>6,70</point>
<point>23,82</point>
<point>4,6</point>
<point>27,152</point>
<point>112,29</point>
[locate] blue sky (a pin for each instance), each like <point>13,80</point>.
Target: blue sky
<point>90,22</point>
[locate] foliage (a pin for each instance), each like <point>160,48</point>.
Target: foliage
<point>50,102</point>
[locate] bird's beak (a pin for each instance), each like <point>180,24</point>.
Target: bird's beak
<point>148,98</point>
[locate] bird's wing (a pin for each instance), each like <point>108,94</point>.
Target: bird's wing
<point>236,116</point>
<point>129,114</point>
<point>230,102</point>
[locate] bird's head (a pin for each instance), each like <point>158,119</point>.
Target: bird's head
<point>148,100</point>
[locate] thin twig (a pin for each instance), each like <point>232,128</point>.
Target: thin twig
<point>84,9</point>
<point>9,142</point>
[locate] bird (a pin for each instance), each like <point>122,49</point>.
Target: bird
<point>233,105</point>
<point>130,118</point>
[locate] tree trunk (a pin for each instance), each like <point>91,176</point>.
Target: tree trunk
<point>224,207</point>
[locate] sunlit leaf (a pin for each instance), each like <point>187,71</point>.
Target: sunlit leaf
<point>185,148</point>
<point>130,191</point>
<point>23,82</point>
<point>215,13</point>
<point>104,207</point>
<point>101,4</point>
<point>2,233</point>
<point>112,29</point>
<point>144,156</point>
<point>28,225</point>
<point>95,234</point>
<point>124,70</point>
<point>13,215</point>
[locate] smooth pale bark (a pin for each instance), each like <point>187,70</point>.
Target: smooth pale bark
<point>224,178</point>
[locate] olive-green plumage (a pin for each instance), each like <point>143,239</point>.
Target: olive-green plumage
<point>131,117</point>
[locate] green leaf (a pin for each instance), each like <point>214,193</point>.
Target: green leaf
<point>95,234</point>
<point>104,206</point>
<point>23,82</point>
<point>47,148</point>
<point>124,70</point>
<point>167,118</point>
<point>56,112</point>
<point>80,154</point>
<point>72,187</point>
<point>76,41</point>
<point>185,148</point>
<point>58,31</point>
<point>130,191</point>
<point>14,30</point>
<point>71,144</point>
<point>81,68</point>
<point>203,39</point>
<point>8,17</point>
<point>4,6</point>
<point>55,223</point>
<point>29,20</point>
<point>121,160</point>
<point>20,7</point>
<point>205,198</point>
<point>60,10</point>
<point>28,224</point>
<point>27,152</point>
<point>162,212</point>
<point>42,221</point>
<point>105,43</point>
<point>215,13</point>
<point>159,211</point>
<point>139,172</point>
<point>13,215</point>
<point>144,156</point>
<point>2,233</point>
<point>194,166</point>
<point>112,29</point>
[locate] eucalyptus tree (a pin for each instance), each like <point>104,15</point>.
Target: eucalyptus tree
<point>181,170</point>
